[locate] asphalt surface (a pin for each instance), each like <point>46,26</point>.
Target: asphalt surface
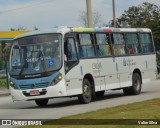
<point>61,107</point>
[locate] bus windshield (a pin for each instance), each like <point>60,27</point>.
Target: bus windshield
<point>34,56</point>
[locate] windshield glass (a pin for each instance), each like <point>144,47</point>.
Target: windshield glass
<point>36,54</point>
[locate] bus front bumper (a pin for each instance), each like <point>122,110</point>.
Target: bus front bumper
<point>58,90</point>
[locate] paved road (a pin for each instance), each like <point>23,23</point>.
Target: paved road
<point>68,106</point>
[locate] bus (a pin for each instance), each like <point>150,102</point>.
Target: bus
<point>80,62</point>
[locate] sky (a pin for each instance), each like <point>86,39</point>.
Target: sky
<point>46,14</point>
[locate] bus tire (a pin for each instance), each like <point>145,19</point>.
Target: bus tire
<point>99,94</point>
<point>86,95</point>
<point>127,91</point>
<point>41,102</point>
<point>135,89</point>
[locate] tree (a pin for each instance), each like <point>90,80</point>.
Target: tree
<point>96,18</point>
<point>146,15</point>
<point>35,28</point>
<point>20,28</point>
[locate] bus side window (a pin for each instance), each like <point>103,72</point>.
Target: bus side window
<point>103,46</point>
<point>70,49</point>
<point>70,52</point>
<point>132,43</point>
<point>81,54</point>
<point>86,48</point>
<point>146,43</point>
<point>118,44</point>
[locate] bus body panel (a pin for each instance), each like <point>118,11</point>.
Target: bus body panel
<point>123,71</point>
<point>150,65</point>
<point>74,77</point>
<point>109,71</point>
<point>146,65</point>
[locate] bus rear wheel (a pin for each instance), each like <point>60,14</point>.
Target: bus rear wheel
<point>135,89</point>
<point>86,95</point>
<point>41,102</point>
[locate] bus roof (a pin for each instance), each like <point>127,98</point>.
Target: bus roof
<point>107,29</point>
<point>64,30</point>
<point>37,32</point>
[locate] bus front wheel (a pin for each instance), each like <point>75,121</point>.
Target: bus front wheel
<point>86,95</point>
<point>41,102</point>
<point>135,89</point>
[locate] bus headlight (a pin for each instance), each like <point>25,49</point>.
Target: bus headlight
<point>57,79</point>
<point>13,85</point>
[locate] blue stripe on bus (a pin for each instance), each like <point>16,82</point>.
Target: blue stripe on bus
<point>117,67</point>
<point>113,59</point>
<point>6,39</point>
<point>146,64</point>
<point>81,70</point>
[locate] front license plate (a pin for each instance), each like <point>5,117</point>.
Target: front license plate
<point>34,92</point>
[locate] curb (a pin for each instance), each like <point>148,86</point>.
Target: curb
<point>4,91</point>
<point>6,94</point>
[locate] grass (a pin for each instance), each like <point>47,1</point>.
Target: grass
<point>141,110</point>
<point>3,82</point>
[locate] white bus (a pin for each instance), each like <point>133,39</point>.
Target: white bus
<point>82,62</point>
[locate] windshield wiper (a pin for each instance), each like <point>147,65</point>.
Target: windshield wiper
<point>43,61</point>
<point>23,67</point>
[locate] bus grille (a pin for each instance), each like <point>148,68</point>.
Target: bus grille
<point>34,86</point>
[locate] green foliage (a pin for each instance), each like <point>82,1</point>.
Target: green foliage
<point>140,110</point>
<point>146,15</point>
<point>3,82</point>
<point>96,18</point>
<point>158,57</point>
<point>20,28</point>
<point>1,64</point>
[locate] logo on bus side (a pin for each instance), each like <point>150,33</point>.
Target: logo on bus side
<point>128,62</point>
<point>96,67</point>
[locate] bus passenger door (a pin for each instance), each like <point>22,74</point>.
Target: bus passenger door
<point>121,59</point>
<point>73,83</point>
<point>109,72</point>
<point>107,68</point>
